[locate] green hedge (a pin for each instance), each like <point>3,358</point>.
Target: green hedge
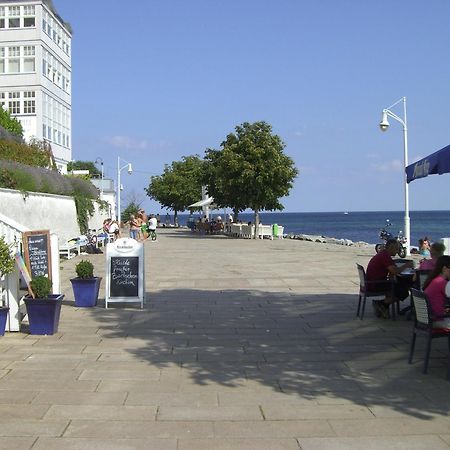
<point>33,154</point>
<point>21,177</point>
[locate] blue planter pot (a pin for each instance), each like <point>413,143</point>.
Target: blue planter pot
<point>43,313</point>
<point>85,291</point>
<point>3,318</point>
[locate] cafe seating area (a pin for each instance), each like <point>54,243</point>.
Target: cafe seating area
<point>247,231</point>
<point>419,310</point>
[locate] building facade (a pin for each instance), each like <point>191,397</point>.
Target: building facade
<point>35,73</point>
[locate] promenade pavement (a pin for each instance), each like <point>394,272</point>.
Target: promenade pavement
<point>242,345</point>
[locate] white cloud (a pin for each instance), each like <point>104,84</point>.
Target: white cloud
<point>127,142</point>
<point>389,166</point>
<point>299,133</point>
<point>372,155</point>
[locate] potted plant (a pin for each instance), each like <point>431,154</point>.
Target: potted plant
<point>44,309</point>
<point>6,267</point>
<point>85,286</point>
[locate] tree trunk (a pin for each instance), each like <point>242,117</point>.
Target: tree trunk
<point>235,215</point>
<point>256,223</point>
<point>175,218</point>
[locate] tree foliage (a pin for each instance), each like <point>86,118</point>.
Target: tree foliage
<point>84,165</point>
<point>180,184</point>
<point>250,170</point>
<point>131,209</point>
<point>10,123</point>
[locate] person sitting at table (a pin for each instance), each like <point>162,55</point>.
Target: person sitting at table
<point>424,247</point>
<point>435,287</point>
<point>437,249</point>
<point>381,268</point>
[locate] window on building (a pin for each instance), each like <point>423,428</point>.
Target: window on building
<point>2,60</point>
<point>14,102</point>
<point>29,22</point>
<point>14,17</point>
<point>2,17</point>
<point>14,59</point>
<point>29,103</point>
<point>29,107</point>
<point>29,65</point>
<point>29,19</point>
<point>29,60</point>
<point>13,65</point>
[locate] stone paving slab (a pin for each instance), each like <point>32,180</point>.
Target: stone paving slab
<point>417,442</point>
<point>260,351</point>
<point>16,443</point>
<point>239,444</point>
<point>105,444</point>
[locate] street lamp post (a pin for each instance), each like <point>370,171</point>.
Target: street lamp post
<point>384,125</point>
<point>119,169</point>
<point>100,160</point>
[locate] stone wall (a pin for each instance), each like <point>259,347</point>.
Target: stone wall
<point>39,211</point>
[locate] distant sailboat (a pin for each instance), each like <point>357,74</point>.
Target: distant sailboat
<point>346,212</point>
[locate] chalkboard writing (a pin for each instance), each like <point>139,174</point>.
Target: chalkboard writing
<point>124,279</point>
<point>37,253</point>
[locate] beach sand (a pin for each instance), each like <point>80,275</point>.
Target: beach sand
<point>242,344</point>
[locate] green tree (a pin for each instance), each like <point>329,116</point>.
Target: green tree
<point>131,209</point>
<point>10,123</point>
<point>251,170</point>
<point>84,165</point>
<point>179,185</point>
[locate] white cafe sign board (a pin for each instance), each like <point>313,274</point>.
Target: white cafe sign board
<point>125,272</point>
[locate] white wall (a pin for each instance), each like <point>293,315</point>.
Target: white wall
<point>37,211</point>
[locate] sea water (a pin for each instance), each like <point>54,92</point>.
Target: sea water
<point>356,226</point>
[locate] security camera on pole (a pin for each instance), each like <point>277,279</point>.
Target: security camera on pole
<point>384,125</point>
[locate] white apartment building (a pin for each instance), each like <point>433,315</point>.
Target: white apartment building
<point>35,72</point>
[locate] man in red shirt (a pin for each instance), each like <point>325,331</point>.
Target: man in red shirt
<point>381,268</point>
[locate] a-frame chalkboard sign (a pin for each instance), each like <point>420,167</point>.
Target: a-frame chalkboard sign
<point>125,272</point>
<point>37,254</point>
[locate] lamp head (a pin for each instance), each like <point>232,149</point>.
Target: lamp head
<point>130,169</point>
<point>384,124</point>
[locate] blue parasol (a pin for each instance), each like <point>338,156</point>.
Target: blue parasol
<point>437,162</point>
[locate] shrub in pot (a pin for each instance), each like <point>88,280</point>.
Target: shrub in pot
<point>85,286</point>
<point>44,309</point>
<point>6,267</point>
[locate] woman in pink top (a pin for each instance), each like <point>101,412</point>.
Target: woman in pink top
<point>434,287</point>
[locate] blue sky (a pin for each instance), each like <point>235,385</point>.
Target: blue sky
<point>154,80</point>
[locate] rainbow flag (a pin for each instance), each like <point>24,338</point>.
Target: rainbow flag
<point>23,268</point>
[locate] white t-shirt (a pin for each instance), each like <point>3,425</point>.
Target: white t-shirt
<point>113,228</point>
<point>152,223</point>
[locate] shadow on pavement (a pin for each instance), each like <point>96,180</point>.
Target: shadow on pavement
<point>304,346</point>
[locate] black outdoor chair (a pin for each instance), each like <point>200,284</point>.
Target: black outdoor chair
<point>420,277</point>
<point>423,324</point>
<point>365,293</point>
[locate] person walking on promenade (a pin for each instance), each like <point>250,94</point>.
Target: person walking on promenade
<point>135,226</point>
<point>152,224</point>
<point>382,267</point>
<point>143,229</point>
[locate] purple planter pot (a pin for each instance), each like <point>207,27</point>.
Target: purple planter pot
<point>3,319</point>
<point>85,291</point>
<point>43,313</point>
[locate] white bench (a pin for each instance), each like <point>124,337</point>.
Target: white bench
<point>70,249</point>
